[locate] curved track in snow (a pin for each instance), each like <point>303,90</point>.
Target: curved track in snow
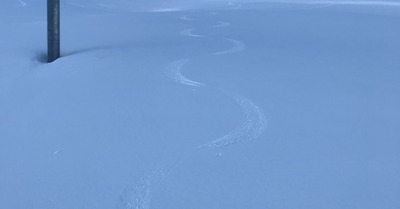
<point>139,196</point>
<point>23,3</point>
<point>186,18</point>
<point>189,32</point>
<point>255,121</point>
<point>251,128</point>
<point>238,46</point>
<point>221,24</point>
<point>173,71</point>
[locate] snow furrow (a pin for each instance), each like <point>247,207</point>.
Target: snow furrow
<point>186,18</point>
<point>342,2</point>
<point>234,5</point>
<point>316,6</point>
<point>237,47</point>
<point>255,121</point>
<point>173,71</point>
<point>351,2</point>
<point>138,196</point>
<point>188,32</point>
<point>222,24</point>
<point>23,4</point>
<point>254,125</point>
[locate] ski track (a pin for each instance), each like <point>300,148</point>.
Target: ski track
<point>347,2</point>
<point>139,196</point>
<point>78,5</point>
<point>365,3</point>
<point>188,32</point>
<point>237,47</point>
<point>58,152</point>
<point>254,123</point>
<point>316,7</point>
<point>324,6</point>
<point>24,4</point>
<point>173,71</point>
<point>222,24</point>
<point>253,127</point>
<point>186,18</point>
<point>172,9</point>
<point>233,5</point>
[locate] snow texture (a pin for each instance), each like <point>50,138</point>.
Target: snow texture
<point>201,104</point>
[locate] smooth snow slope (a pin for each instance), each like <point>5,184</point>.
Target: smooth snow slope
<point>258,105</point>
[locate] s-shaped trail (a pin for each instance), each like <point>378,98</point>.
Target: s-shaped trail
<point>138,196</point>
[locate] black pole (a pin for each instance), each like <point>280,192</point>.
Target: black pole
<point>53,30</point>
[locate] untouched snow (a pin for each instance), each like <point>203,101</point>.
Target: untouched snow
<point>231,105</point>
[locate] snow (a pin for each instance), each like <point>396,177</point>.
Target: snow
<point>201,104</point>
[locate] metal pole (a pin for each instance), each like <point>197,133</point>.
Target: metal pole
<point>53,30</point>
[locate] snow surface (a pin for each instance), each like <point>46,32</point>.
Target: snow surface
<point>201,105</point>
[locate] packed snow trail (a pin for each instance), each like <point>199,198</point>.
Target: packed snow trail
<point>188,32</point>
<point>173,70</point>
<point>252,127</point>
<point>186,18</point>
<point>255,121</point>
<point>139,195</point>
<point>238,46</point>
<point>222,24</point>
<point>23,4</point>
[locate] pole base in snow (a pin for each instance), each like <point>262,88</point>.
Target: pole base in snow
<point>53,30</point>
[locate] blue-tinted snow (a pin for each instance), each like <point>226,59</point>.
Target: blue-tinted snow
<point>230,105</point>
